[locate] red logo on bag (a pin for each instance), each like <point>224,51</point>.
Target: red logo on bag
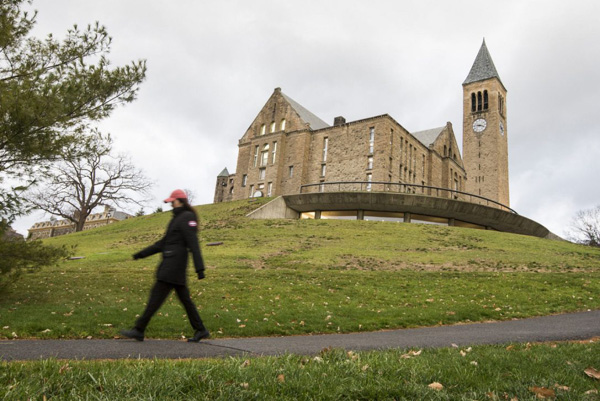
<point>192,223</point>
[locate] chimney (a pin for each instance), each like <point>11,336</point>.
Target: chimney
<point>339,121</point>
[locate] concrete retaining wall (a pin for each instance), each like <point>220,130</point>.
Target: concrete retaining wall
<point>291,206</point>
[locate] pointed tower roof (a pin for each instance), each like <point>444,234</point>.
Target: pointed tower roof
<point>224,173</point>
<point>483,67</point>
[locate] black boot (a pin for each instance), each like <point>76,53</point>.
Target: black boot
<point>133,333</point>
<point>199,335</point>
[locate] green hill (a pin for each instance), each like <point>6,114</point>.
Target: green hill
<point>282,277</point>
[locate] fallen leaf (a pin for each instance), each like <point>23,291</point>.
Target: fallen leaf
<point>411,354</point>
<point>593,373</point>
<point>244,385</point>
<point>318,359</point>
<point>590,392</point>
<point>436,386</point>
<point>561,388</point>
<point>245,364</point>
<point>365,368</point>
<point>510,347</point>
<point>542,392</point>
<point>281,378</point>
<point>474,363</point>
<point>64,368</point>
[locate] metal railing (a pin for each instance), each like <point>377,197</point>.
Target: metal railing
<point>380,186</point>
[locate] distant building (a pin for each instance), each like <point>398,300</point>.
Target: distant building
<point>54,227</point>
<point>289,150</point>
<point>375,169</point>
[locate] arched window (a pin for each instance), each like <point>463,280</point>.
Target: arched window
<point>282,126</point>
<point>479,101</point>
<point>473,102</point>
<point>485,100</point>
<point>263,129</point>
<point>273,126</point>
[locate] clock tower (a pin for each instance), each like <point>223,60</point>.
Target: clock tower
<point>485,143</point>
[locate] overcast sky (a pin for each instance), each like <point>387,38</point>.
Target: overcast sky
<point>212,65</point>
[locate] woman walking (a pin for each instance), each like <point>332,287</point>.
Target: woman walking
<point>181,236</point>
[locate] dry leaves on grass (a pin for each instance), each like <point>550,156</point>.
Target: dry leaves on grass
<point>542,392</point>
<point>411,354</point>
<point>281,378</point>
<point>436,386</point>
<point>593,373</point>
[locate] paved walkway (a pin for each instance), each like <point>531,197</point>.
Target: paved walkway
<point>571,326</point>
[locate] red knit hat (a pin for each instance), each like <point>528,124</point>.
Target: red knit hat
<point>177,194</point>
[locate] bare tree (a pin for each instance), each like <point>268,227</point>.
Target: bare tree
<point>89,177</point>
<point>585,228</point>
<point>190,195</point>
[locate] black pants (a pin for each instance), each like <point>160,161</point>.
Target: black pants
<point>159,293</point>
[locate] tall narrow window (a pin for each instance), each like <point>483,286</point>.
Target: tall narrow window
<point>291,171</point>
<point>323,169</point>
<point>261,174</point>
<point>264,155</point>
<point>325,145</point>
<point>390,166</point>
<point>369,179</point>
<point>244,180</point>
<point>423,167</point>
<point>255,155</point>
<point>479,101</point>
<point>370,163</point>
<point>269,189</point>
<point>273,126</point>
<point>263,129</point>
<point>282,125</point>
<point>473,103</point>
<point>485,100</point>
<point>251,191</point>
<point>274,153</point>
<point>371,139</point>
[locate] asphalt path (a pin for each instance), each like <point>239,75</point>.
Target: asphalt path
<point>571,326</point>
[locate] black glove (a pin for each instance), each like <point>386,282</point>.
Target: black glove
<point>200,274</point>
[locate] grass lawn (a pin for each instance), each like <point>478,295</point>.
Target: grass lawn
<point>516,372</point>
<point>281,277</point>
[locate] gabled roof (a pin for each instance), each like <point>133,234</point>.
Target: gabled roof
<point>429,136</point>
<point>483,67</point>
<point>224,173</point>
<point>313,121</point>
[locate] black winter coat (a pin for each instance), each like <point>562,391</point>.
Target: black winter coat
<point>181,235</point>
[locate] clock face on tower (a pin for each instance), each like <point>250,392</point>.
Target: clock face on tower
<point>479,125</point>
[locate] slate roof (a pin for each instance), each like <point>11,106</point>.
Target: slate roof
<point>483,67</point>
<point>313,121</point>
<point>429,136</point>
<point>224,173</point>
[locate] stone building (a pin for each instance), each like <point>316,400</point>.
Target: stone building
<point>289,150</point>
<point>54,227</point>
